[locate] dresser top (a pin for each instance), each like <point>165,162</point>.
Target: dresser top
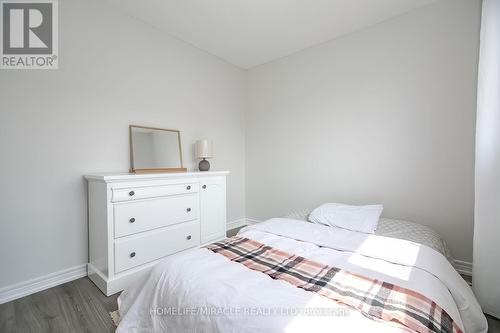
<point>125,176</point>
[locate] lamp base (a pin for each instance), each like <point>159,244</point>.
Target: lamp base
<point>204,165</point>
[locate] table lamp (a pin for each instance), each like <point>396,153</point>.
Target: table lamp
<point>203,150</point>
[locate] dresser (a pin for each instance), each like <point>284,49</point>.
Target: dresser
<point>135,220</point>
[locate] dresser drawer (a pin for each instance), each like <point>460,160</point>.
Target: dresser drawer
<point>138,216</point>
<point>136,250</point>
<point>134,193</point>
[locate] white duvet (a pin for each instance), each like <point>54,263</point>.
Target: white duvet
<point>200,291</point>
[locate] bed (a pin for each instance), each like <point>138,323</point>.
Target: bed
<point>200,290</point>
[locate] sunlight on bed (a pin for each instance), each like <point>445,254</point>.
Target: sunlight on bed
<point>381,266</point>
<point>401,272</point>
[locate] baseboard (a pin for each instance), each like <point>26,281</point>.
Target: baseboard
<point>241,223</point>
<point>252,221</point>
<point>463,267</point>
<point>236,224</point>
<point>32,286</point>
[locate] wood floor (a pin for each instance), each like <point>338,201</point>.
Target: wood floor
<point>493,324</point>
<point>76,306</point>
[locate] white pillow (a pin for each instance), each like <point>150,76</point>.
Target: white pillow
<point>356,218</point>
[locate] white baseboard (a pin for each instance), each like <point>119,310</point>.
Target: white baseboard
<point>32,286</point>
<point>252,221</point>
<point>236,224</point>
<point>463,267</point>
<point>240,223</point>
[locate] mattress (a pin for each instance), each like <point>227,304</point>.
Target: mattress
<point>400,229</point>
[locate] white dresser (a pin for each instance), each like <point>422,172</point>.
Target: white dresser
<point>135,220</point>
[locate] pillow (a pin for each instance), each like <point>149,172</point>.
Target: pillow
<point>355,218</point>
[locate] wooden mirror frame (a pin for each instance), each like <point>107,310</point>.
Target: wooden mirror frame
<point>154,170</point>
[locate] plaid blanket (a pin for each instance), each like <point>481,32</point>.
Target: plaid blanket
<point>375,299</point>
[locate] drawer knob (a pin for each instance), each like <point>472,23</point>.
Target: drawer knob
<point>188,210</point>
<point>132,220</point>
<point>189,187</point>
<point>204,187</point>
<point>132,255</point>
<point>188,237</point>
<point>131,193</point>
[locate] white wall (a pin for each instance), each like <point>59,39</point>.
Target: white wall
<point>487,203</point>
<point>384,115</point>
<point>57,125</point>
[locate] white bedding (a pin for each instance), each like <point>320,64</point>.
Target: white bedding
<point>401,229</point>
<point>242,300</point>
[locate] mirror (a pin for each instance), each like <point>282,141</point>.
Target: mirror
<point>155,150</point>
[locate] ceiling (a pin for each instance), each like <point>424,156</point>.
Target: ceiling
<point>248,33</point>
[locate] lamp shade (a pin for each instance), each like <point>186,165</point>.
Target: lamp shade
<point>203,148</point>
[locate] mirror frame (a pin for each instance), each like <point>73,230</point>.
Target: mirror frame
<point>154,170</point>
